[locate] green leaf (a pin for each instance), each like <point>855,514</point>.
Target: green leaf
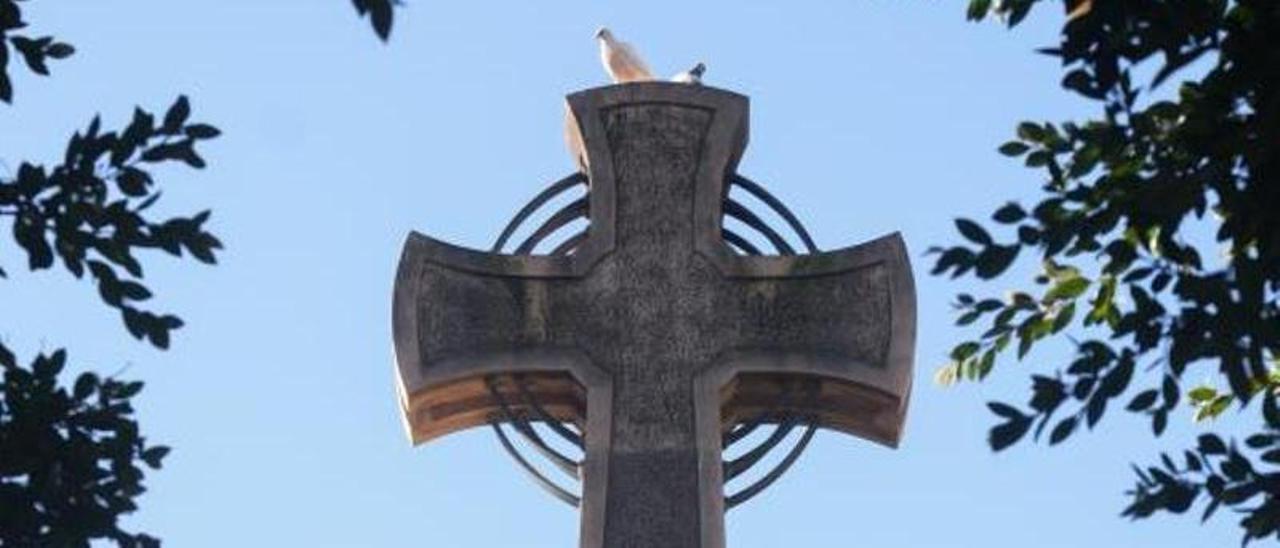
<point>133,181</point>
<point>986,363</point>
<point>1202,394</point>
<point>202,131</point>
<point>1010,213</point>
<point>1161,281</point>
<point>1080,82</point>
<point>154,455</point>
<point>1008,433</point>
<point>1143,401</point>
<point>1060,272</point>
<point>978,9</point>
<point>988,305</point>
<point>973,232</point>
<point>1005,410</point>
<point>129,390</point>
<point>1031,131</point>
<point>994,260</point>
<point>134,321</point>
<point>1002,341</point>
<point>380,15</point>
<point>59,50</point>
<point>1014,148</point>
<point>1024,345</point>
<point>1028,235</point>
<point>1159,421</point>
<point>85,385</point>
<point>1095,409</point>
<point>1260,441</point>
<point>134,291</point>
<point>1067,290</point>
<point>959,258</point>
<point>964,350</point>
<point>1063,318</point>
<point>6,86</point>
<point>1039,158</point>
<point>181,150</point>
<point>1019,11</point>
<point>1062,430</point>
<point>1212,409</point>
<point>1270,410</point>
<point>202,246</point>
<point>159,336</point>
<point>1211,444</point>
<point>32,52</point>
<point>48,367</point>
<point>1170,391</point>
<point>1117,379</point>
<point>177,115</point>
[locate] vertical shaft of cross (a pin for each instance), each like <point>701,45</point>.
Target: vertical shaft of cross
<point>657,169</point>
<point>656,151</point>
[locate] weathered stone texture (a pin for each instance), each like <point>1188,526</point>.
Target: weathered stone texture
<point>657,316</point>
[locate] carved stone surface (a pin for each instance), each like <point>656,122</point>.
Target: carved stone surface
<point>660,324</point>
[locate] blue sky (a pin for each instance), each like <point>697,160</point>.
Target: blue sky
<point>867,117</point>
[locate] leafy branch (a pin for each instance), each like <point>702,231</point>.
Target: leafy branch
<point>90,211</point>
<point>72,456</point>
<point>36,52</point>
<point>1118,277</point>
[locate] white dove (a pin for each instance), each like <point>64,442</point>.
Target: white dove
<point>620,60</point>
<point>692,76</point>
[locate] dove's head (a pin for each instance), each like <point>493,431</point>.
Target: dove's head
<point>698,69</point>
<point>603,33</point>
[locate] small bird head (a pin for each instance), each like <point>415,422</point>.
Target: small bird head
<point>698,69</point>
<point>603,33</point>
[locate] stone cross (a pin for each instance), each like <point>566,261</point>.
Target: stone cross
<point>665,333</point>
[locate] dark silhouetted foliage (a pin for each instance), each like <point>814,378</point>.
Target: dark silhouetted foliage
<point>1122,278</point>
<point>380,14</point>
<point>35,52</point>
<point>71,458</point>
<point>89,212</point>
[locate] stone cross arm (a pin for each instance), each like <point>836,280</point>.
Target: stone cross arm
<point>828,316</point>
